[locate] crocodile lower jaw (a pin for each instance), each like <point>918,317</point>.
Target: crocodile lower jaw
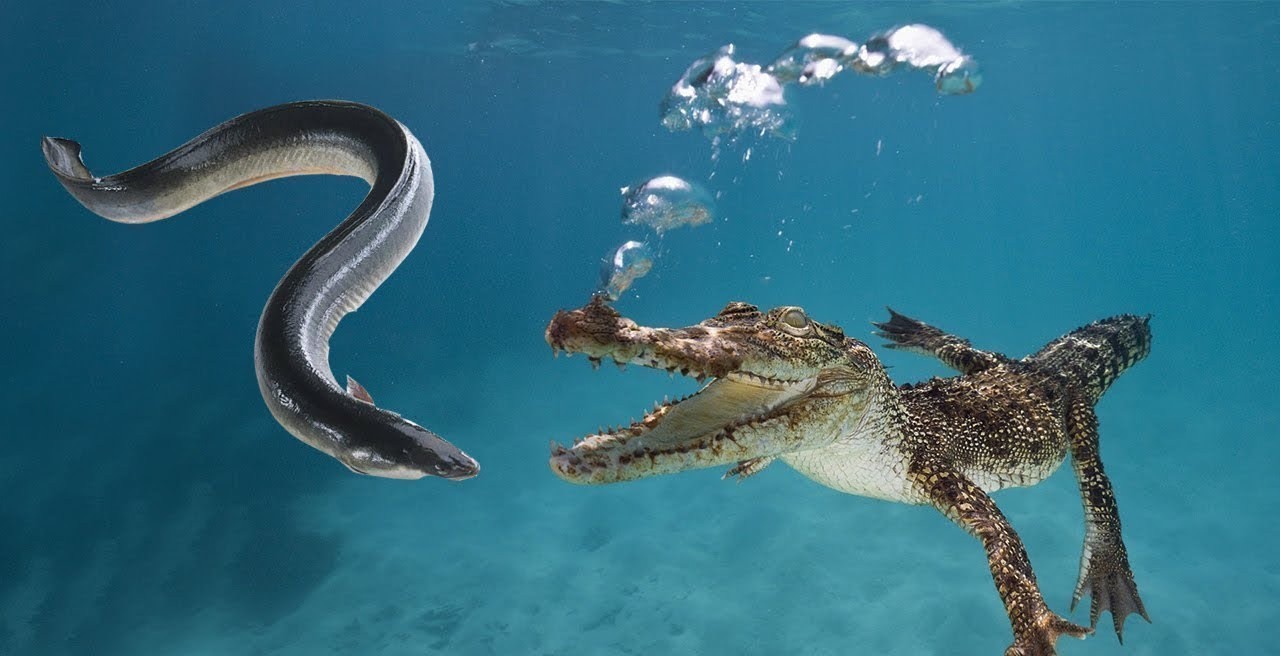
<point>714,426</point>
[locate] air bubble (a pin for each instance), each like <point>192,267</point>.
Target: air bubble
<point>813,60</point>
<point>628,263</point>
<point>666,203</point>
<point>923,48</point>
<point>719,95</point>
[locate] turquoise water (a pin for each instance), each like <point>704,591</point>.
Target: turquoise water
<point>1118,158</point>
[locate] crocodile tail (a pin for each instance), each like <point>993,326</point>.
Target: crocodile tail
<point>1093,356</point>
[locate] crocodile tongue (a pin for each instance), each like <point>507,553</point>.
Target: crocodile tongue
<point>696,432</point>
<point>722,402</point>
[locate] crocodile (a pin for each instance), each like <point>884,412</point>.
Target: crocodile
<point>785,387</point>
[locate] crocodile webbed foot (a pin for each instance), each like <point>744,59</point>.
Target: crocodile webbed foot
<point>1105,575</point>
<point>909,334</point>
<point>1041,637</point>
<point>1104,564</point>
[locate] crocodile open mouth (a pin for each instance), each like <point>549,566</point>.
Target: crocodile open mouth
<point>719,424</point>
<point>700,430</point>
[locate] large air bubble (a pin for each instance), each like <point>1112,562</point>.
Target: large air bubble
<point>923,48</point>
<point>719,95</point>
<point>813,59</point>
<point>665,203</point>
<point>628,263</point>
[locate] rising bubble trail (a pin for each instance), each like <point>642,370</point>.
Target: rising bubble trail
<point>719,95</point>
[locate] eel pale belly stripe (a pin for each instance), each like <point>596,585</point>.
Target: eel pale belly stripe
<point>334,277</point>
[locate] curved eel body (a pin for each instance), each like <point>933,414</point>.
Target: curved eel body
<point>333,278</point>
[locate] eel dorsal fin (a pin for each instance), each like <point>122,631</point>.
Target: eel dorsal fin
<point>358,391</point>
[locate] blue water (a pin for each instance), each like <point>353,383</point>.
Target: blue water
<point>1118,158</point>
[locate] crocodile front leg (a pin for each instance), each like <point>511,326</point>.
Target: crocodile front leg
<point>1035,628</point>
<point>909,334</point>
<point>1104,564</point>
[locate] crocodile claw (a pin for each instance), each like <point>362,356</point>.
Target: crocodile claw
<point>905,333</point>
<point>1040,639</point>
<point>748,468</point>
<point>1107,578</point>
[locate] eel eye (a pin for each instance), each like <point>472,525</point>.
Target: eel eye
<point>794,321</point>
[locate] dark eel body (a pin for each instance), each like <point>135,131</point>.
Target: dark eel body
<point>334,277</point>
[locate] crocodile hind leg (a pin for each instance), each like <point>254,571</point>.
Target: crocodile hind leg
<point>1035,628</point>
<point>1104,564</point>
<point>908,334</point>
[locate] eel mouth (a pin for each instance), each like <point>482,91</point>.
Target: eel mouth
<point>725,422</point>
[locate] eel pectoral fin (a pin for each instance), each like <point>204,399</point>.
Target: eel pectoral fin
<point>358,391</point>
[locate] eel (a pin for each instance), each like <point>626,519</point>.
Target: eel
<point>333,278</point>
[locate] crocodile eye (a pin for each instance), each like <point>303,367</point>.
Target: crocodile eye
<point>795,318</point>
